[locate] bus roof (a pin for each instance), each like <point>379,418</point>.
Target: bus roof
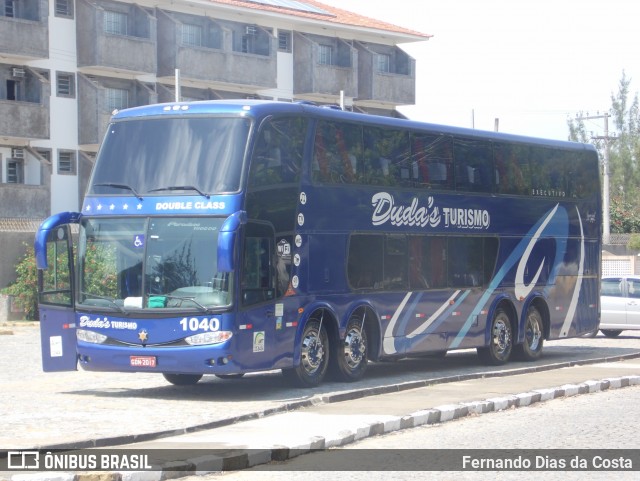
<point>262,108</point>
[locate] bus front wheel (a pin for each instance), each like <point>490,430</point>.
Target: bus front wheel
<point>350,355</point>
<point>314,356</point>
<point>500,340</point>
<point>182,379</point>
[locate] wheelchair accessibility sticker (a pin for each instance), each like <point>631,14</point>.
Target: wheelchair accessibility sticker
<point>138,241</point>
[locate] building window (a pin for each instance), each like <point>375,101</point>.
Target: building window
<point>192,35</point>
<point>247,43</point>
<point>14,90</point>
<point>9,8</point>
<point>383,63</point>
<point>117,99</point>
<point>326,55</point>
<point>64,8</point>
<point>66,162</point>
<point>15,171</point>
<point>115,22</point>
<point>284,41</point>
<point>45,154</point>
<point>66,85</point>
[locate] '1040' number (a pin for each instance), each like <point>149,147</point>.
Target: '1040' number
<point>195,324</point>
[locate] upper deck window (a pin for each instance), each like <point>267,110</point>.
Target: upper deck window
<point>147,154</point>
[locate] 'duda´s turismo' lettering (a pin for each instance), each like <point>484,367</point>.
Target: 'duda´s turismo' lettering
<point>386,210</point>
<point>466,218</point>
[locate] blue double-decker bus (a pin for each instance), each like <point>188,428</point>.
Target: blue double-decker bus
<point>229,237</point>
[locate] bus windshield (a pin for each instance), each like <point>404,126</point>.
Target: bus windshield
<point>204,153</point>
<point>151,263</point>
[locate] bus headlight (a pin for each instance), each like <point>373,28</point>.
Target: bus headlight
<point>214,337</point>
<point>90,336</point>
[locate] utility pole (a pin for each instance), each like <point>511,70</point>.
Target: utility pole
<point>606,222</point>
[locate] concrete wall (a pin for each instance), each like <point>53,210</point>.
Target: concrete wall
<point>13,249</point>
<point>27,34</point>
<point>26,201</point>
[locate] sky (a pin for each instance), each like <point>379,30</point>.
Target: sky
<point>529,64</point>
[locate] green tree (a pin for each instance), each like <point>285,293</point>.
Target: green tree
<point>624,155</point>
<point>25,288</point>
<point>624,216</point>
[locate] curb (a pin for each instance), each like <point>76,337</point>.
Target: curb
<point>324,399</point>
<point>234,460</point>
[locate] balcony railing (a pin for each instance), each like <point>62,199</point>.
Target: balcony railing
<point>93,105</point>
<point>24,107</point>
<point>324,77</point>
<point>221,58</point>
<point>24,38</point>
<point>134,51</point>
<point>395,85</point>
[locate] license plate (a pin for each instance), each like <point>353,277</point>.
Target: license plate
<point>143,361</point>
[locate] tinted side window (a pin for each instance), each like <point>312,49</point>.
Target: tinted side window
<point>611,287</point>
<point>471,260</point>
<point>474,165</point>
<point>272,192</point>
<point>549,173</point>
<point>277,156</point>
<point>583,174</point>
<point>432,161</point>
<point>399,262</point>
<point>258,281</point>
<point>395,262</point>
<point>365,263</point>
<point>513,172</point>
<point>387,156</point>
<point>337,157</point>
<point>633,288</point>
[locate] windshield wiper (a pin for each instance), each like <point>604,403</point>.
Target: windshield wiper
<point>184,298</point>
<point>182,187</point>
<point>118,186</point>
<point>104,298</point>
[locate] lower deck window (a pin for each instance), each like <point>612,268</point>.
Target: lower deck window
<point>400,262</point>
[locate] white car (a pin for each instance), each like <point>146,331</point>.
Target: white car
<point>620,304</point>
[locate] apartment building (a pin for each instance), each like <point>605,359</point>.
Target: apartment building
<point>66,65</point>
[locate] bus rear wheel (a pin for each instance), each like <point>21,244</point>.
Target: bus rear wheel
<point>500,340</point>
<point>531,348</point>
<point>314,356</point>
<point>182,379</point>
<point>350,355</point>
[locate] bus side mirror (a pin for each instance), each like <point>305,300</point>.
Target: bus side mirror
<point>227,240</point>
<point>49,224</point>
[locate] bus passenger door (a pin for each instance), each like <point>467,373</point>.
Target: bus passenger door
<point>258,297</point>
<point>55,302</point>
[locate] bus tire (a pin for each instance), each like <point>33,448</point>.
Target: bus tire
<point>350,355</point>
<point>314,356</point>
<point>182,379</point>
<point>611,332</point>
<point>531,347</point>
<point>500,340</point>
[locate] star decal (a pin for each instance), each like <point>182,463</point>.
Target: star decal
<point>143,335</point>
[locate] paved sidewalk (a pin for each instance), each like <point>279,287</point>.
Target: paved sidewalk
<point>281,436</point>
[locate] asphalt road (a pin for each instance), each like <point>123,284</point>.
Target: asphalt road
<point>83,409</point>
<point>594,422</point>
